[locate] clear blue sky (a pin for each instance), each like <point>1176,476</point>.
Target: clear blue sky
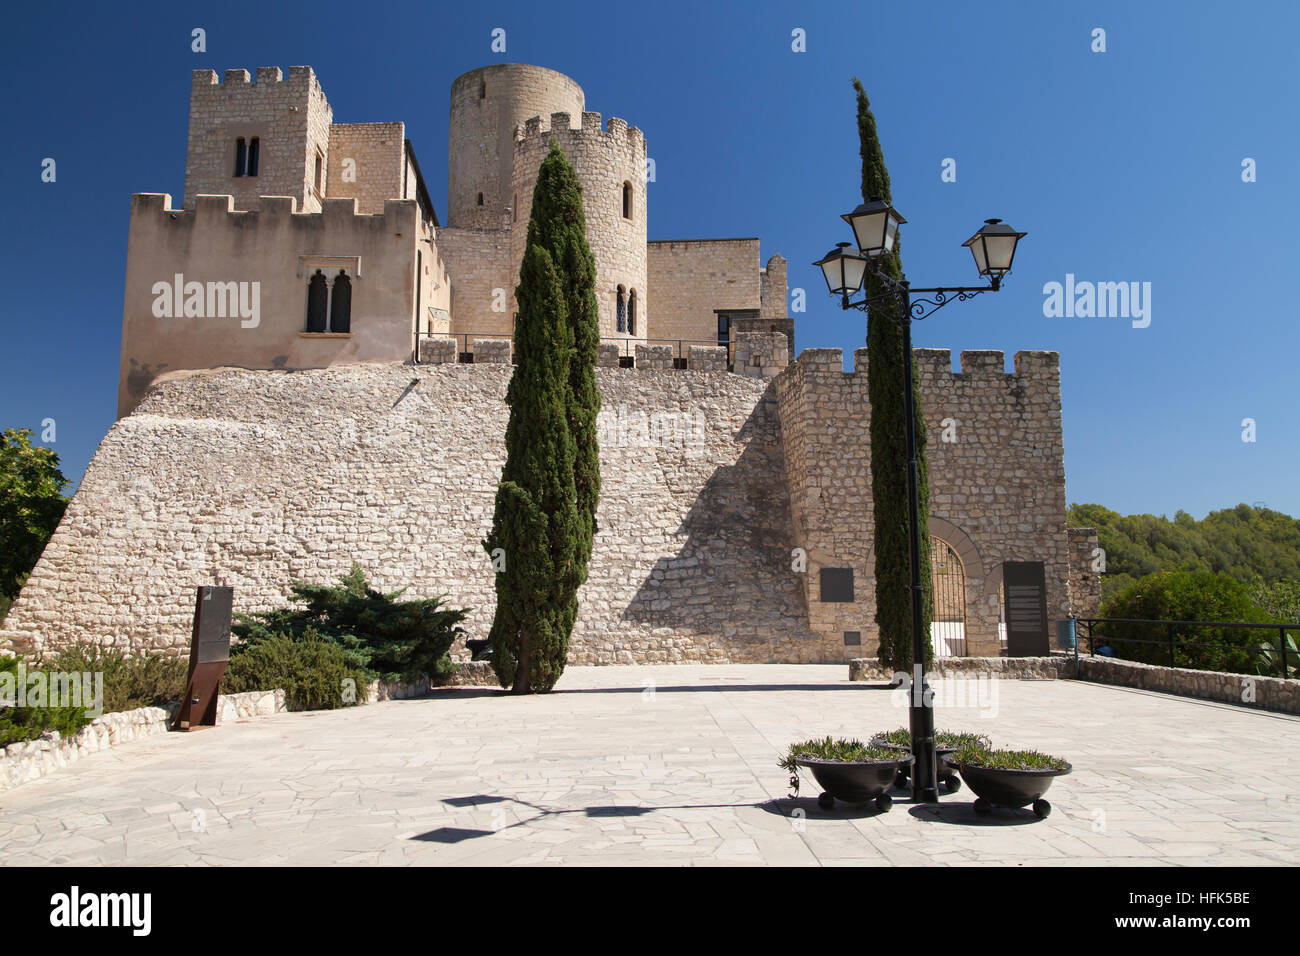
<point>1121,166</point>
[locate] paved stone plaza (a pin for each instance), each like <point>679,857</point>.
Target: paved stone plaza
<point>666,765</point>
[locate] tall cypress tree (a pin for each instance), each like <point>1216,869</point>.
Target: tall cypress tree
<point>889,435</point>
<point>546,502</point>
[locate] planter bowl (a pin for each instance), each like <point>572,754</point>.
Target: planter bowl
<point>855,782</point>
<point>997,787</point>
<point>947,772</point>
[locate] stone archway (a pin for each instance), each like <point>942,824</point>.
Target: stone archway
<point>948,594</point>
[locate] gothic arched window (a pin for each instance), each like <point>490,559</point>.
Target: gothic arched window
<point>241,156</point>
<point>631,312</point>
<point>253,150</point>
<point>622,311</point>
<point>341,304</point>
<point>318,297</point>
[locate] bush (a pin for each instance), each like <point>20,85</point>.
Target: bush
<point>379,635</point>
<point>28,723</point>
<point>312,670</point>
<point>976,756</point>
<point>148,680</point>
<point>1186,596</point>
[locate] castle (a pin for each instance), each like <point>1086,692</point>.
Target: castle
<point>313,371</point>
<point>305,243</point>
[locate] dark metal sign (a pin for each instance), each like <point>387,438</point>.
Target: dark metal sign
<point>1024,595</point>
<point>209,654</point>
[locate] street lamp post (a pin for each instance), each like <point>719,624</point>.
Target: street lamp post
<point>875,227</point>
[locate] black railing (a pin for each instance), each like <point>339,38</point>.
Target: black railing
<point>1169,643</point>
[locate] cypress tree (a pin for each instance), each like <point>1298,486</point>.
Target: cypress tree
<point>544,520</point>
<point>889,435</point>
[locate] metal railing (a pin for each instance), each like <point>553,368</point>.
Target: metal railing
<point>1173,644</point>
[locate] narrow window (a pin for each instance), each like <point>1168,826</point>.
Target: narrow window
<point>724,330</point>
<point>341,304</point>
<point>318,296</point>
<point>252,156</point>
<point>482,89</point>
<point>631,312</point>
<point>320,171</point>
<point>622,311</point>
<point>480,199</point>
<point>241,156</point>
<point>627,200</point>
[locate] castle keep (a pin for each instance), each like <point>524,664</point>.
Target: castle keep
<point>314,367</point>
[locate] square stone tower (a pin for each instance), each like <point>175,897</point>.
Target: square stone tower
<point>265,138</point>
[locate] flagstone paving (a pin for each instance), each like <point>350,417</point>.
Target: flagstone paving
<point>667,765</point>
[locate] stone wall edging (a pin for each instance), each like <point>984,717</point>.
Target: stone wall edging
<point>31,759</point>
<point>1269,693</point>
<point>1013,668</point>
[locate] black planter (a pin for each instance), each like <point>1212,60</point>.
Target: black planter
<point>947,773</point>
<point>1010,788</point>
<point>855,782</point>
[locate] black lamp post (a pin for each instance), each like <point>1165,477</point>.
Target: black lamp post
<point>875,226</point>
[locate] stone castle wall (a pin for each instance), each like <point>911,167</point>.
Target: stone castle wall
<point>997,489</point>
<point>274,250</point>
<point>1085,580</point>
<point>378,151</point>
<point>252,478</point>
<point>691,278</point>
<point>290,117</point>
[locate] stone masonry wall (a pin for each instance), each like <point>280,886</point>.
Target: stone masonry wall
<point>378,151</point>
<point>1085,581</point>
<point>691,278</point>
<point>251,478</point>
<point>997,489</point>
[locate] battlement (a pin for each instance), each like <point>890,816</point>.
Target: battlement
<point>615,131</point>
<point>935,365</point>
<point>266,76</point>
<point>272,211</point>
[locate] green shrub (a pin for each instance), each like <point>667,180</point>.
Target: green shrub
<point>1185,596</point>
<point>975,756</point>
<point>386,638</point>
<point>902,737</point>
<point>28,723</point>
<point>146,680</point>
<point>311,669</point>
<point>832,748</point>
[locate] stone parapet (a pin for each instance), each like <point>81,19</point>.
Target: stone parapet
<point>761,354</point>
<point>707,358</point>
<point>436,351</point>
<point>658,357</point>
<point>492,351</point>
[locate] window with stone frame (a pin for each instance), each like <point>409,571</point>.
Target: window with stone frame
<point>627,200</point>
<point>329,303</point>
<point>631,312</point>
<point>622,311</point>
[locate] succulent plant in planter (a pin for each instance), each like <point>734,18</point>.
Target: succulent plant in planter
<point>849,770</point>
<point>1009,778</point>
<point>946,743</point>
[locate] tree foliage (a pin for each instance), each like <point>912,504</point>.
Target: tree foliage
<point>31,505</point>
<point>1255,546</point>
<point>379,635</point>
<point>1187,596</point>
<point>889,465</point>
<point>545,517</point>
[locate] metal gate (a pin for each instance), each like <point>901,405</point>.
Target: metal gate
<point>948,581</point>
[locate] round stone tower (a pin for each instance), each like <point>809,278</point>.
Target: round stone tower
<point>610,164</point>
<point>486,106</point>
